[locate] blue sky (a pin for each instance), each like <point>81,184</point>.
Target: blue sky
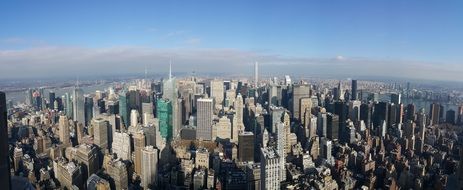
<point>427,33</point>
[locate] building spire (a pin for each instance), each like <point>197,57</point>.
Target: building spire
<point>170,69</point>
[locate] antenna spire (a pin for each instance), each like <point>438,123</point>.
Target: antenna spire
<point>170,69</point>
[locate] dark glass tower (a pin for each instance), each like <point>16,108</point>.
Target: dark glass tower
<point>4,160</point>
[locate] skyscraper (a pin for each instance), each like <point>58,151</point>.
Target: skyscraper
<point>164,114</point>
<point>305,105</point>
<point>138,145</point>
<point>270,169</point>
<point>88,110</point>
<point>149,166</point>
<point>124,108</point>
<point>217,92</point>
<point>100,133</point>
<point>281,149</point>
<point>239,108</point>
<point>64,130</point>
<point>354,90</point>
<point>246,146</point>
<point>204,118</point>
<point>299,91</point>
<point>69,105</point>
<point>434,113</point>
<point>51,100</point>
<point>79,105</point>
<point>4,157</point>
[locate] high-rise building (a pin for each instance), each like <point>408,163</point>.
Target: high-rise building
<point>246,146</point>
<point>239,108</point>
<point>332,124</point>
<point>305,105</point>
<point>205,115</point>
<point>224,128</point>
<point>299,91</point>
<point>138,145</point>
<point>121,145</point>
<point>434,113</point>
<point>202,158</point>
<point>270,169</point>
<point>78,105</point>
<point>68,103</point>
<point>51,100</point>
<point>124,108</point>
<point>450,116</point>
<point>217,92</point>
<point>4,158</point>
<point>88,110</point>
<point>354,90</point>
<point>87,156</point>
<point>164,114</point>
<point>100,133</point>
<point>134,115</point>
<point>64,130</point>
<point>281,149</point>
<point>117,170</point>
<point>396,98</point>
<point>149,166</point>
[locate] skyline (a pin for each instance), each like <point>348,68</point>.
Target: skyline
<point>386,39</point>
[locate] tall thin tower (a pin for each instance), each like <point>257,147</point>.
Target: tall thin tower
<point>256,73</point>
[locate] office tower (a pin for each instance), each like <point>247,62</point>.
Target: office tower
<point>87,156</point>
<point>88,110</point>
<point>37,100</point>
<point>246,146</point>
<point>138,145</point>
<point>117,170</point>
<point>434,113</point>
<point>64,130</point>
<point>100,133</point>
<point>134,115</point>
<point>354,110</point>
<point>147,108</point>
<point>305,104</point>
<point>121,145</point>
<point>253,175</point>
<point>396,98</point>
<point>68,105</point>
<point>380,114</point>
<point>217,92</point>
<point>199,179</point>
<point>124,108</point>
<point>224,128</point>
<point>450,116</point>
<point>365,113</point>
<point>29,99</point>
<point>326,149</point>
<point>340,94</point>
<point>276,114</point>
<point>239,108</point>
<point>281,148</point>
<point>322,127</point>
<point>204,118</point>
<point>149,168</point>
<point>78,105</point>
<point>4,158</point>
<point>51,100</point>
<point>270,169</point>
<point>299,91</point>
<point>354,90</point>
<point>164,114</point>
<point>333,125</point>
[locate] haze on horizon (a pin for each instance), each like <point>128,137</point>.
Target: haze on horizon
<point>406,39</point>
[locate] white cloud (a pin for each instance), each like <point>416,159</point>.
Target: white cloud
<point>193,41</point>
<point>69,61</point>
